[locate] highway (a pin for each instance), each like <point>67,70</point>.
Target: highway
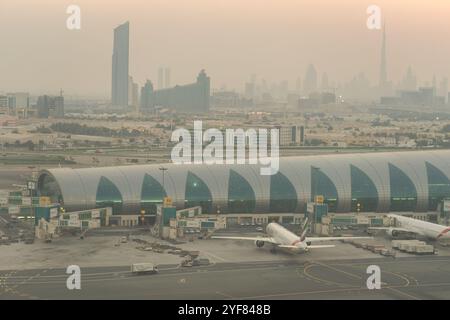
<point>413,278</point>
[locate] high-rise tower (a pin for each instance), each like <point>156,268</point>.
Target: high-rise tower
<point>120,64</point>
<point>383,68</point>
<point>310,82</point>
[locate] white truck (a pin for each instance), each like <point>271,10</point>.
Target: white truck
<point>425,249</point>
<point>143,268</point>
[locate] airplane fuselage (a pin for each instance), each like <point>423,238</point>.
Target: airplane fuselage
<point>423,228</point>
<point>283,236</point>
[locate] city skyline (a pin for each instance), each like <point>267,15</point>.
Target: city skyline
<point>343,47</point>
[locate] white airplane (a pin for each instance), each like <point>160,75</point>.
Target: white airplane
<point>282,238</point>
<point>409,225</point>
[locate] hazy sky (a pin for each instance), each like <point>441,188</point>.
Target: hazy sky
<point>232,39</point>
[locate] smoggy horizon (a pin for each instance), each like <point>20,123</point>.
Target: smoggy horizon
<point>275,41</point>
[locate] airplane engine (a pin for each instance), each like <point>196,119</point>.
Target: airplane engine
<point>391,232</point>
<point>259,243</point>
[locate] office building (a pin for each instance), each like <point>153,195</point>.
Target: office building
<point>50,106</point>
<point>120,65</point>
<point>194,97</point>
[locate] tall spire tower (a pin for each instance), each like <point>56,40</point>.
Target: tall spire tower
<point>383,72</point>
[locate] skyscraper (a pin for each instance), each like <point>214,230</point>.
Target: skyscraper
<point>409,81</point>
<point>310,82</point>
<point>160,78</point>
<point>133,93</point>
<point>120,62</point>
<point>383,67</point>
<point>147,95</point>
<point>167,78</point>
<point>325,85</point>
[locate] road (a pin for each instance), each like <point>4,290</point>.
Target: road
<point>412,278</point>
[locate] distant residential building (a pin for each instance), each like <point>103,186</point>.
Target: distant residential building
<point>291,135</point>
<point>409,82</point>
<point>225,99</point>
<point>250,90</point>
<point>443,88</point>
<point>120,65</point>
<point>18,103</point>
<point>58,111</point>
<point>133,93</point>
<point>316,99</point>
<point>424,96</point>
<point>47,106</point>
<point>292,99</point>
<point>147,97</point>
<point>327,97</point>
<point>3,104</point>
<point>194,97</point>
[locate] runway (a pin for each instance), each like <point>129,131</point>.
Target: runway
<point>414,278</point>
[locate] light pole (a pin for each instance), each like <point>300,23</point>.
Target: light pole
<point>314,181</point>
<point>163,170</point>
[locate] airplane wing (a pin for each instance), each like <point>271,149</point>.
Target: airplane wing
<point>390,228</point>
<point>265,239</point>
<point>318,239</point>
<point>309,247</point>
<point>322,246</point>
<point>287,246</point>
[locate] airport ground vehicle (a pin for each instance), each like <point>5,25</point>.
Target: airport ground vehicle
<point>144,268</point>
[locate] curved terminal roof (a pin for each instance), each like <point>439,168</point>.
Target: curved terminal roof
<point>382,182</point>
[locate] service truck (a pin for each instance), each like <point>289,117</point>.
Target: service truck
<point>143,268</point>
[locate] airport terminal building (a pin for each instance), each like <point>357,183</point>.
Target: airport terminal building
<point>366,182</point>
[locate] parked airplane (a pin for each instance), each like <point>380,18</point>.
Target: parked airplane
<point>282,238</point>
<point>410,225</point>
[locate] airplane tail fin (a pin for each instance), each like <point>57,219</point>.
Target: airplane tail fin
<point>305,228</point>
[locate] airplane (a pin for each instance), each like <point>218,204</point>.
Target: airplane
<point>282,238</point>
<point>409,225</point>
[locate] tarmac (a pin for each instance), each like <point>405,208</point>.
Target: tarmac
<point>237,270</point>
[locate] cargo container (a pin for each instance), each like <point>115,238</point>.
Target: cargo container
<point>397,243</point>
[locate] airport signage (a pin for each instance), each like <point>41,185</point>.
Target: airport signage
<point>73,223</point>
<point>95,214</point>
<point>14,210</point>
<point>446,206</point>
<point>53,213</point>
<point>319,199</point>
<point>363,220</point>
<point>193,224</point>
<point>44,201</point>
<point>3,201</point>
<point>26,201</point>
<point>31,185</point>
<point>167,201</point>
